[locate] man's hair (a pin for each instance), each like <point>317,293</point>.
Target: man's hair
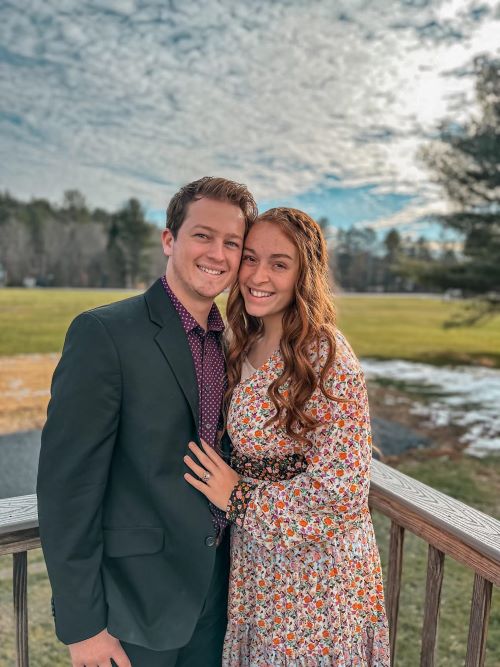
<point>218,189</point>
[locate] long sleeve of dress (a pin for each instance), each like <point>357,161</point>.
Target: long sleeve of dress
<point>332,494</point>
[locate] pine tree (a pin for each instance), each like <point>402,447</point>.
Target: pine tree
<point>466,163</point>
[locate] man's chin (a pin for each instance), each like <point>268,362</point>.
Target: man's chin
<point>206,292</point>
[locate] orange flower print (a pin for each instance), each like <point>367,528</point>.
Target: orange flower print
<point>298,589</point>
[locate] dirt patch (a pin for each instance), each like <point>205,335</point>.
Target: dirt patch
<point>395,406</point>
<point>25,391</point>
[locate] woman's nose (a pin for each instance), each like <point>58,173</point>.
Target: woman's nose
<point>260,274</point>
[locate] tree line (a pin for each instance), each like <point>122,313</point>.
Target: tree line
<point>73,246</point>
<point>361,260</point>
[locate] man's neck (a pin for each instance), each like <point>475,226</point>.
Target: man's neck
<point>198,308</point>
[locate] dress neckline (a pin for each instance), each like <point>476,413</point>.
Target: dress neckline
<point>261,369</point>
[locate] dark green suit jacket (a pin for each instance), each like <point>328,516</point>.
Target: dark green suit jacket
<point>128,542</point>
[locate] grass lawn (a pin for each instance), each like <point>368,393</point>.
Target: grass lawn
<point>472,481</point>
<point>36,320</point>
<point>398,327</point>
<point>383,327</point>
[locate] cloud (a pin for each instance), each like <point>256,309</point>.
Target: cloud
<point>129,98</point>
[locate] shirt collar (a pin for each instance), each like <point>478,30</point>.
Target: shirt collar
<point>214,320</point>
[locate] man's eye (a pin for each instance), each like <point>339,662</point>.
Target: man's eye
<point>201,236</point>
<point>248,258</point>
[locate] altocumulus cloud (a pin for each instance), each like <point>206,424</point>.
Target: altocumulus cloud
<point>134,97</point>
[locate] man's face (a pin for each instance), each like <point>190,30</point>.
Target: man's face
<point>205,256</point>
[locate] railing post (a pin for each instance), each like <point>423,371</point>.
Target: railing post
<point>478,624</point>
<point>20,593</point>
<point>394,583</point>
<point>435,570</point>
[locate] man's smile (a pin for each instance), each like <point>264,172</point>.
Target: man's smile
<point>211,272</point>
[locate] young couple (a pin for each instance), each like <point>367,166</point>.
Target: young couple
<point>137,490</point>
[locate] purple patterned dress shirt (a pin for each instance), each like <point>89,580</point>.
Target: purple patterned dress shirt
<point>208,359</point>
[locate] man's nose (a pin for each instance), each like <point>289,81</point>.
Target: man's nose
<point>216,251</point>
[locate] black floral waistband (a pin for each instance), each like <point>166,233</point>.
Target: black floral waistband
<point>272,469</point>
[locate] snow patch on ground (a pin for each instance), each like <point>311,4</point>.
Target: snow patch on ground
<point>467,396</point>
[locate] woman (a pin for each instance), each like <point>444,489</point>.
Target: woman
<point>306,584</point>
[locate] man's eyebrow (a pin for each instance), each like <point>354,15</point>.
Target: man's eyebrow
<point>214,229</point>
<point>207,227</point>
<point>276,255</point>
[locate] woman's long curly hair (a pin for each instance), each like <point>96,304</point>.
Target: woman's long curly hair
<point>309,319</point>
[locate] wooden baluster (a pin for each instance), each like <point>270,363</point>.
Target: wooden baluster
<point>20,593</point>
<point>394,583</point>
<point>478,624</point>
<point>435,571</point>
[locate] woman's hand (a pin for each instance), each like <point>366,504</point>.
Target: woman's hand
<point>216,479</point>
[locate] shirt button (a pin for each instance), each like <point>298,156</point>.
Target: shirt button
<point>209,426</point>
<point>210,541</point>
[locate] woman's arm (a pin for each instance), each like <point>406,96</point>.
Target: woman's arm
<point>331,494</point>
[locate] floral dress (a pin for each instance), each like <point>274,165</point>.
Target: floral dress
<point>306,583</point>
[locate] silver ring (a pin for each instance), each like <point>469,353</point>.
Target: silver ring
<point>206,476</point>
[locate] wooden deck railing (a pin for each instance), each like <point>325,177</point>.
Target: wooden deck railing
<point>449,527</point>
<point>19,534</point>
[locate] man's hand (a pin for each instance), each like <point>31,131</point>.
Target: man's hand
<point>98,651</point>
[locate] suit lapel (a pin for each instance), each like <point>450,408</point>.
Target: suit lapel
<point>172,341</point>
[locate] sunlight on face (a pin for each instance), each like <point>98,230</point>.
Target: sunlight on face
<point>269,271</point>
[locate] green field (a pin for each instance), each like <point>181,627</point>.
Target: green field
<point>35,320</point>
<point>399,327</point>
<point>472,481</point>
<point>377,326</point>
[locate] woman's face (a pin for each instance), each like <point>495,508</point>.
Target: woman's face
<point>269,270</point>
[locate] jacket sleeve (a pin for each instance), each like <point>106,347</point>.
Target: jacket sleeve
<point>77,445</point>
<point>332,494</point>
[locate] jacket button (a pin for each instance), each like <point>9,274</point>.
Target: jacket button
<point>210,541</point>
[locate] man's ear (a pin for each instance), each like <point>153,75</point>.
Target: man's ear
<point>167,241</point>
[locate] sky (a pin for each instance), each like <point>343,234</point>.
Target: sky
<point>319,104</point>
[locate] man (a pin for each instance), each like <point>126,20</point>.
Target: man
<point>137,558</point>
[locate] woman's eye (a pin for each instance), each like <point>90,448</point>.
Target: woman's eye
<point>232,244</point>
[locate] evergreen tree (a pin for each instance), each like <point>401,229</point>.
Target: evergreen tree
<point>129,238</point>
<point>466,163</point>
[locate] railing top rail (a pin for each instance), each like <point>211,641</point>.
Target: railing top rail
<point>467,525</point>
<point>389,488</point>
<point>17,514</point>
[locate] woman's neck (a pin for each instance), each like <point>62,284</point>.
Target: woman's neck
<point>272,331</point>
